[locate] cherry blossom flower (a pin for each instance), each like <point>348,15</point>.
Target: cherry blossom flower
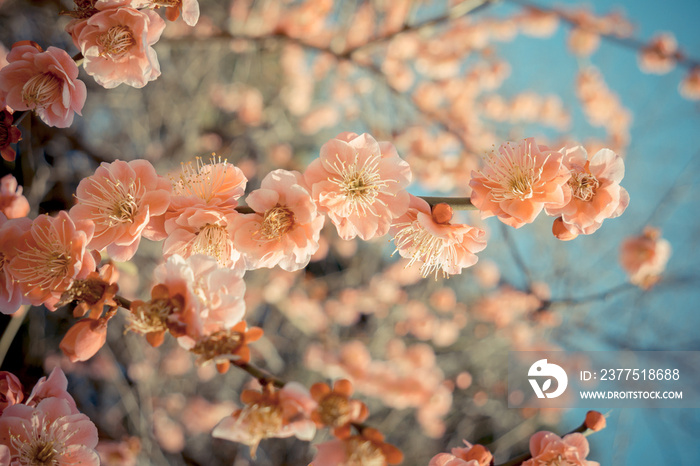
<point>366,448</point>
<point>12,203</point>
<point>271,413</point>
<point>519,181</point>
<point>209,297</point>
<point>548,449</point>
<point>10,390</point>
<point>9,134</point>
<point>596,193</point>
<point>470,455</point>
<point>689,87</point>
<point>120,199</point>
<point>46,82</point>
<point>335,407</point>
<point>440,246</point>
<point>116,44</point>
<point>189,9</point>
<point>11,295</point>
<point>124,453</point>
<point>659,56</point>
<point>208,231</point>
<point>50,256</point>
<point>360,184</point>
<point>53,386</point>
<point>48,433</point>
<point>202,210</point>
<point>285,228</point>
<point>644,257</point>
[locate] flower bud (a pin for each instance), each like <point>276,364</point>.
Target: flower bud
<point>84,339</point>
<point>595,421</point>
<point>561,232</point>
<point>442,213</point>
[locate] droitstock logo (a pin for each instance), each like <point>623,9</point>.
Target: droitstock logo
<point>541,369</point>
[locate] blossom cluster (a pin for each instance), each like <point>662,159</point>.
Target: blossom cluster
<point>295,411</point>
<point>115,39</point>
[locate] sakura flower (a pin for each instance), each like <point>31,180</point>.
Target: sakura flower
<point>227,344</point>
<point>11,296</point>
<point>596,193</point>
<point>439,245</point>
<point>689,87</point>
<point>50,256</point>
<point>366,448</point>
<point>519,181</point>
<point>644,257</point>
<point>203,230</point>
<point>471,455</point>
<point>659,56</point>
<point>120,199</point>
<point>335,407</point>
<point>285,228</point>
<point>9,134</point>
<point>46,82</point>
<point>549,449</point>
<point>117,45</point>
<point>217,183</point>
<point>12,203</point>
<point>202,210</point>
<point>10,391</point>
<point>359,183</point>
<point>189,9</point>
<point>53,386</point>
<point>212,297</point>
<point>271,413</point>
<point>49,433</point>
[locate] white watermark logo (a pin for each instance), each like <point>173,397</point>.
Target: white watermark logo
<point>542,368</point>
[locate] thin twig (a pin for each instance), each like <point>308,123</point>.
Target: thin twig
<point>11,331</point>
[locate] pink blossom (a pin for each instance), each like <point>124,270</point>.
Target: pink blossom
<point>596,193</point>
<point>285,228</point>
<point>50,256</point>
<point>442,247</point>
<point>48,433</point>
<point>548,448</point>
<point>46,82</point>
<point>519,181</point>
<point>360,184</point>
<point>470,455</point>
<point>644,257</point>
<point>201,213</point>
<point>53,386</point>
<point>10,390</point>
<point>117,45</point>
<point>273,413</point>
<point>212,296</point>
<point>11,296</point>
<point>364,449</point>
<point>203,230</point>
<point>9,134</point>
<point>12,203</point>
<point>120,199</point>
<point>690,86</point>
<point>189,9</point>
<point>659,55</point>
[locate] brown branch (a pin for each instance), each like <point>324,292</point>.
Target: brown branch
<point>627,42</point>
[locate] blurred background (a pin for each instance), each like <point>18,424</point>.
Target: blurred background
<point>264,84</point>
